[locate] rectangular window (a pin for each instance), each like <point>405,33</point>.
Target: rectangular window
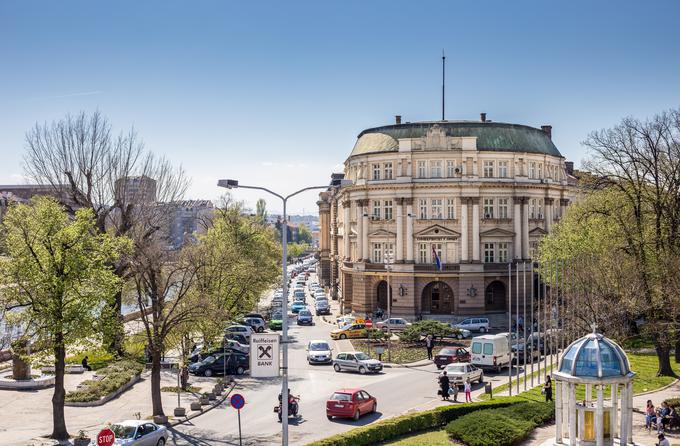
<point>533,249</point>
<point>503,169</point>
<point>540,208</point>
<point>376,210</point>
<point>502,252</point>
<point>377,252</point>
<point>489,253</point>
<point>488,169</point>
<point>376,171</point>
<point>436,209</point>
<point>450,169</point>
<point>532,208</point>
<point>435,169</point>
<point>423,209</point>
<point>387,171</point>
<point>540,170</point>
<point>503,208</point>
<point>422,171</point>
<point>387,209</point>
<point>532,170</point>
<point>422,252</point>
<point>488,208</point>
<point>451,208</point>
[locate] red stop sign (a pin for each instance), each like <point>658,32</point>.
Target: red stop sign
<point>106,437</point>
<point>369,323</point>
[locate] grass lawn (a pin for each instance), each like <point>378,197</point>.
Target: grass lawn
<point>432,438</point>
<point>402,353</point>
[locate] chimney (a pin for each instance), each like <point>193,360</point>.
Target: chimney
<point>548,130</point>
<point>398,119</point>
<point>482,117</point>
<point>569,166</point>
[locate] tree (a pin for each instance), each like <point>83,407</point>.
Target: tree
<point>89,167</point>
<point>261,211</point>
<point>296,250</point>
<point>58,275</point>
<point>304,235</point>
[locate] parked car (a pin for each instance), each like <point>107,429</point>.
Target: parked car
<point>231,363</point>
<point>231,346</point>
<point>459,372</point>
<point>255,323</point>
<point>296,307</point>
<point>448,355</point>
<point>256,315</point>
<point>349,331</point>
<point>393,324</point>
<point>350,403</point>
<point>490,351</point>
<point>460,333</point>
<point>305,317</point>
<point>521,349</point>
<point>276,322</point>
<point>237,337</point>
<point>319,352</point>
<point>356,361</point>
<point>322,307</point>
<point>344,320</point>
<point>299,293</point>
<point>139,433</point>
<point>480,324</point>
<point>240,329</point>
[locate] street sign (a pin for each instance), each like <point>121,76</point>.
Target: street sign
<point>237,402</point>
<point>264,355</point>
<point>106,437</point>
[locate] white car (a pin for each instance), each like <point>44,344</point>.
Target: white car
<point>319,352</point>
<point>459,372</point>
<point>240,329</point>
<point>139,433</point>
<point>460,333</point>
<point>394,323</point>
<point>345,320</point>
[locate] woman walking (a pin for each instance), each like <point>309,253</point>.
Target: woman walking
<point>468,391</point>
<point>547,389</point>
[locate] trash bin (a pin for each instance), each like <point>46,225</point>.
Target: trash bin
<point>488,390</point>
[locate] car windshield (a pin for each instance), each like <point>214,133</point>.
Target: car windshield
<point>319,346</point>
<point>455,369</point>
<point>305,313</point>
<point>277,316</point>
<point>209,360</point>
<point>123,432</point>
<point>341,397</point>
<point>447,352</point>
<point>361,356</point>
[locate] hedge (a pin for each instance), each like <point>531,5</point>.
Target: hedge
<point>504,426</point>
<point>673,402</point>
<point>114,376</point>
<point>411,423</point>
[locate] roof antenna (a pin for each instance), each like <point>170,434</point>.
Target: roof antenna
<point>443,80</point>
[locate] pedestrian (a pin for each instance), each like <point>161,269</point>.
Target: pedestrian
<point>663,441</point>
<point>86,366</point>
<point>454,392</point>
<point>444,385</point>
<point>650,415</point>
<point>468,391</point>
<point>547,389</point>
<point>429,345</point>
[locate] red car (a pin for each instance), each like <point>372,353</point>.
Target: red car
<point>447,355</point>
<point>350,403</point>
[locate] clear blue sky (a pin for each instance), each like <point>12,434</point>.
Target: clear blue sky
<point>274,93</point>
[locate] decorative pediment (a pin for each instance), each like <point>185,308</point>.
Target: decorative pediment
<point>382,233</point>
<point>538,232</point>
<point>437,232</point>
<point>497,232</point>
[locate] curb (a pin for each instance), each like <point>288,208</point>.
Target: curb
<point>658,390</point>
<point>202,411</point>
<point>409,365</point>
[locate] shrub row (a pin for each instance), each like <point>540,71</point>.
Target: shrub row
<point>411,423</point>
<point>673,402</point>
<point>96,358</point>
<point>500,426</point>
<point>114,376</point>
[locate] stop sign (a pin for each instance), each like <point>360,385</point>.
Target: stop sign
<point>106,437</point>
<point>369,323</point>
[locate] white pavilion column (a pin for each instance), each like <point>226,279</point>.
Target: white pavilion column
<point>364,233</point>
<point>581,424</point>
<point>623,434</point>
<point>517,221</point>
<point>347,229</point>
<point>464,230</point>
<point>572,414</point>
<point>589,392</point>
<point>475,229</point>
<point>614,414</point>
<point>400,230</point>
<point>629,414</point>
<point>599,418</point>
<point>525,228</point>
<point>565,408</point>
<point>409,230</point>
<point>558,411</point>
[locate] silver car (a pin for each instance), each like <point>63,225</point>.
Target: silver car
<point>357,362</point>
<point>138,433</point>
<point>319,352</point>
<point>480,324</point>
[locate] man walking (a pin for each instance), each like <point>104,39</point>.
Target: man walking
<point>429,344</point>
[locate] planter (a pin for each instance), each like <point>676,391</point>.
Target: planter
<point>181,411</point>
<point>217,390</point>
<point>81,442</point>
<point>160,419</point>
<point>204,401</point>
<point>212,396</point>
<point>196,405</point>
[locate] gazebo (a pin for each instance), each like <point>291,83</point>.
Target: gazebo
<point>594,361</point>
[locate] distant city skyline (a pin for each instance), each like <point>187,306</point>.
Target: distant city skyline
<point>274,94</point>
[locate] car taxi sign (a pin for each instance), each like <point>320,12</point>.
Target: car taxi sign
<point>237,401</point>
<point>106,437</point>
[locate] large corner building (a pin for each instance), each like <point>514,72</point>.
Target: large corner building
<point>444,208</point>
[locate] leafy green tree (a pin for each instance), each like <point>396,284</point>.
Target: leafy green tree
<point>304,234</point>
<point>296,250</point>
<point>261,211</point>
<point>58,275</point>
<point>424,328</point>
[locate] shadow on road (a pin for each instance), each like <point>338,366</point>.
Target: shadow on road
<point>363,421</point>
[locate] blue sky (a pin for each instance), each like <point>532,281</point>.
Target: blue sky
<point>274,93</point>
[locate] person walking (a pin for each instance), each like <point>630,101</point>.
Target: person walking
<point>468,391</point>
<point>547,389</point>
<point>429,344</point>
<point>444,385</point>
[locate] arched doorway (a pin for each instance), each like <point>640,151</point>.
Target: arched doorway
<point>382,295</point>
<point>437,298</point>
<point>494,296</point>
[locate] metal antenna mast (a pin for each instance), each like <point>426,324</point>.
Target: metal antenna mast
<point>443,81</point>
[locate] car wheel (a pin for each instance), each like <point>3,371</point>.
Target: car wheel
<point>362,370</point>
<point>459,336</point>
<point>482,330</point>
<point>336,367</point>
<point>330,417</point>
<point>481,379</point>
<point>161,442</point>
<point>240,370</point>
<point>356,416</point>
<point>260,329</point>
<point>439,367</point>
<point>208,373</point>
<point>343,336</point>
<point>375,408</point>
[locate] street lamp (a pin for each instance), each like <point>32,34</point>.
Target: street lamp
<point>233,184</point>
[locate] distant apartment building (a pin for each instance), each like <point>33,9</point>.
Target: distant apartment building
<point>140,189</point>
<point>22,193</point>
<point>186,219</point>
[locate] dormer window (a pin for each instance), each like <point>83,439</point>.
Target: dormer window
<point>488,169</point>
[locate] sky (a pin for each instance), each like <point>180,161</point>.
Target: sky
<point>274,93</point>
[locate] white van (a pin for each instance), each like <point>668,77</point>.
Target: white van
<point>490,352</point>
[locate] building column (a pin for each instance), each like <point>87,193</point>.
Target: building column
<point>475,230</point>
<point>365,256</point>
<point>409,229</point>
<point>399,257</point>
<point>325,236</point>
<point>565,409</point>
<point>558,411</point>
<point>599,418</point>
<point>581,424</point>
<point>548,213</point>
<point>464,230</point>
<point>564,202</point>
<point>589,392</point>
<point>572,414</point>
<point>525,228</point>
<point>360,230</point>
<point>623,433</point>
<point>347,229</point>
<point>517,222</point>
<point>614,414</point>
<point>334,249</point>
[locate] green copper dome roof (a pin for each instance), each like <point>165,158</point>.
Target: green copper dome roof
<point>495,136</point>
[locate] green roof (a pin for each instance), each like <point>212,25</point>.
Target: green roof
<point>494,136</point>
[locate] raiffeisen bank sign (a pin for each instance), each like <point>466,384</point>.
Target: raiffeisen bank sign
<point>264,355</point>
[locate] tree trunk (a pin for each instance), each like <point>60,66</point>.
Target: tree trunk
<point>156,401</point>
<point>677,348</point>
<point>114,341</point>
<point>664,354</point>
<point>59,431</point>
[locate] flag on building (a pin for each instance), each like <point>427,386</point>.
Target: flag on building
<point>437,259</point>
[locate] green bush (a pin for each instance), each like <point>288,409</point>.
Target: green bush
<point>500,426</point>
<point>423,328</point>
<point>407,424</point>
<point>114,376</point>
<point>673,402</point>
<point>96,358</point>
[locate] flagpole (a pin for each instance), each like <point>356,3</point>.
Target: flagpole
<point>510,324</point>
